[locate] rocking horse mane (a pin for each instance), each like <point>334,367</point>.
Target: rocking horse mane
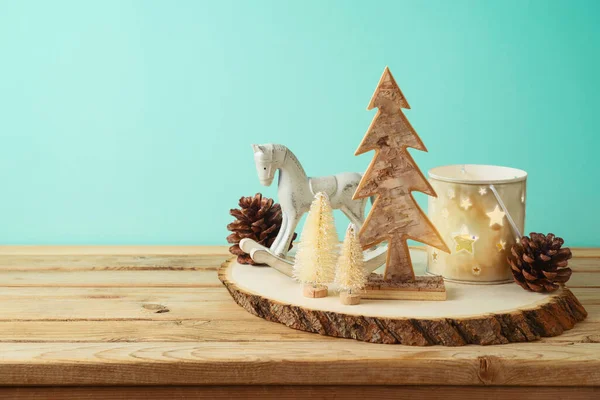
<point>290,155</point>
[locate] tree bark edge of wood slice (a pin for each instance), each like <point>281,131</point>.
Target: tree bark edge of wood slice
<point>552,318</point>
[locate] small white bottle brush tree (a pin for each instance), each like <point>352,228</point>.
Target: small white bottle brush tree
<point>350,275</point>
<point>317,251</point>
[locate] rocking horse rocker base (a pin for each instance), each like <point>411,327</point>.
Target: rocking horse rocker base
<point>373,259</point>
<point>417,288</point>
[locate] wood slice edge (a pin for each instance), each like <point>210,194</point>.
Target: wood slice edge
<point>552,318</point>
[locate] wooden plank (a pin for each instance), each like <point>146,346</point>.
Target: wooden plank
<point>111,309</point>
<point>587,296</point>
<point>68,304</point>
<point>112,250</point>
<point>166,278</point>
<point>51,294</point>
<point>207,314</point>
<point>578,252</point>
<point>81,261</point>
<point>264,392</point>
<point>33,263</point>
<point>585,264</point>
<point>126,278</point>
<point>584,280</point>
<point>585,252</point>
<point>297,363</point>
<point>72,262</point>
<point>584,332</point>
<point>83,331</point>
<point>164,330</point>
<point>205,338</point>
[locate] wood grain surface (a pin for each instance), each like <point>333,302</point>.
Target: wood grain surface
<point>159,316</point>
<point>276,392</point>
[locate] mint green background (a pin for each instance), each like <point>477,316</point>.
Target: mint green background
<point>130,122</point>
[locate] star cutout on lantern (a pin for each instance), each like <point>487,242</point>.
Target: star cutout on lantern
<point>501,245</point>
<point>464,240</point>
<point>482,190</point>
<point>445,213</point>
<point>476,270</point>
<point>466,203</point>
<point>496,216</point>
<point>434,256</point>
<point>451,194</point>
<point>523,198</point>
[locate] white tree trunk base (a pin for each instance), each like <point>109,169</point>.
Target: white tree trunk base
<point>314,292</point>
<point>349,299</point>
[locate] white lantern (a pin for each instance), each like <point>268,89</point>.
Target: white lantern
<point>480,213</point>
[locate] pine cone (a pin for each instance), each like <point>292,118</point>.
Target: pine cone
<point>259,219</point>
<point>538,263</point>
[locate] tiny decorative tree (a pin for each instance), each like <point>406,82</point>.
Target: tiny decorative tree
<point>317,251</point>
<point>350,275</point>
<point>395,215</point>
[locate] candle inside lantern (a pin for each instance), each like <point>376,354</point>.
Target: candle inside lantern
<point>480,213</point>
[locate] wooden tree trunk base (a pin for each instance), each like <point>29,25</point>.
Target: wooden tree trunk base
<point>273,296</point>
<point>421,288</point>
<point>314,292</point>
<point>350,299</point>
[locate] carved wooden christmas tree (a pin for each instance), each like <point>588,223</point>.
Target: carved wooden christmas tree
<point>395,215</point>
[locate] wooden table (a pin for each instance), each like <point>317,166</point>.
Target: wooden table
<point>155,322</point>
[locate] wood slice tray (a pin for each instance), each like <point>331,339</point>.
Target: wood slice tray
<point>473,314</point>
